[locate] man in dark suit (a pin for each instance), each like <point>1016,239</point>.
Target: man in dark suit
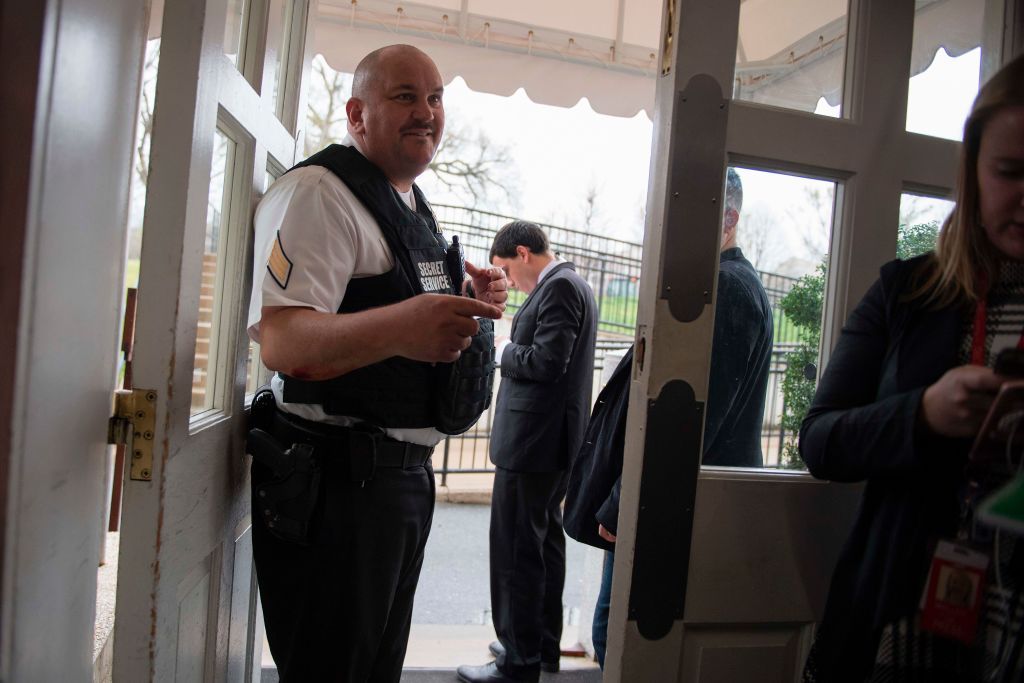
<point>540,415</point>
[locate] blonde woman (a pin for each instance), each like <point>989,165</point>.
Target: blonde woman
<point>906,389</point>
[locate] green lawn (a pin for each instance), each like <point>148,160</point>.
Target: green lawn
<point>619,311</point>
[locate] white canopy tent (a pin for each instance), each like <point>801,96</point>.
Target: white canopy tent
<point>790,52</point>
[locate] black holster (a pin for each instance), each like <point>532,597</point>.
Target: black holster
<point>287,500</point>
<point>464,387</point>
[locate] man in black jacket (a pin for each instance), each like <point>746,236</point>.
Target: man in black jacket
<point>740,359</point>
<point>539,417</point>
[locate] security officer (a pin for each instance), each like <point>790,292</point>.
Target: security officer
<point>357,308</point>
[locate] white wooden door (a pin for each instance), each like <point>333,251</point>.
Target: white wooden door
<point>720,575</point>
<point>227,102</point>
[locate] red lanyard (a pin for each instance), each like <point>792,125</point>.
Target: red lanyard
<point>980,317</point>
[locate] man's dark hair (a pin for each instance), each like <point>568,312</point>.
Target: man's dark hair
<point>733,190</point>
<point>519,234</point>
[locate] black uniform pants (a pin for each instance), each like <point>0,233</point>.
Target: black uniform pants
<point>527,567</point>
<point>340,608</point>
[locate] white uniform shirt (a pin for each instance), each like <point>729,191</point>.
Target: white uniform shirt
<point>326,238</point>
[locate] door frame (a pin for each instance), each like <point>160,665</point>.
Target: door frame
<point>73,112</point>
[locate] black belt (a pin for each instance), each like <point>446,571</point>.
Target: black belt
<point>361,442</point>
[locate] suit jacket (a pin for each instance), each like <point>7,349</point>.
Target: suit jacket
<point>863,425</point>
<point>547,376</point>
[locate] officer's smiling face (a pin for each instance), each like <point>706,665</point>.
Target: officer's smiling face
<point>400,122</point>
<point>520,270</point>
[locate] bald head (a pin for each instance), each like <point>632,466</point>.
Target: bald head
<point>395,114</point>
<point>368,71</point>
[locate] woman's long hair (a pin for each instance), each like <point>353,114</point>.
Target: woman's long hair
<point>963,252</point>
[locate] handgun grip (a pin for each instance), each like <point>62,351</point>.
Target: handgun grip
<point>265,449</point>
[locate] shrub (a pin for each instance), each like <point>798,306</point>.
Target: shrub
<point>802,305</point>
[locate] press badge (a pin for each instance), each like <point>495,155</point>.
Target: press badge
<point>954,592</point>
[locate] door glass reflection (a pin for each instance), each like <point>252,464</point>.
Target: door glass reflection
<point>218,209</point>
<point>945,66</point>
<point>791,53</point>
<point>235,28</point>
<point>921,219</point>
<point>257,374</point>
<point>277,53</point>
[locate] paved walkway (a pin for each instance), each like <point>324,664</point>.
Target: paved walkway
<point>451,619</point>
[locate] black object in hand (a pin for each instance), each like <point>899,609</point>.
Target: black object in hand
<point>455,261</point>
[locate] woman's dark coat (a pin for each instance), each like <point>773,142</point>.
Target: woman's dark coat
<point>864,425</point>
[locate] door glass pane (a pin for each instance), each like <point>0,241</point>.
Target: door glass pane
<point>235,29</point>
<point>791,53</point>
<point>140,161</point>
<point>280,39</point>
<point>920,220</point>
<point>204,369</point>
<point>761,381</point>
<point>945,66</point>
<point>257,374</point>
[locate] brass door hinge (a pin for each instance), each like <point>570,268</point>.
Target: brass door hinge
<point>132,424</point>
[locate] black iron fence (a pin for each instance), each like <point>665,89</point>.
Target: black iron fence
<point>612,267</point>
<point>467,453</point>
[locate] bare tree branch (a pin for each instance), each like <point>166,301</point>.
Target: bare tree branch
<point>145,132</point>
<point>470,165</point>
<point>758,236</point>
<point>813,220</point>
<point>590,210</point>
<point>467,163</point>
<point>325,112</point>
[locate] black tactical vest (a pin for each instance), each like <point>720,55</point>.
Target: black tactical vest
<point>396,392</point>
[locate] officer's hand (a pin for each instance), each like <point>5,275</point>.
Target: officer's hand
<point>489,284</point>
<point>605,534</point>
<point>436,327</point>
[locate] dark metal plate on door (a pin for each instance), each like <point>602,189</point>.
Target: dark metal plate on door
<point>693,195</point>
<point>664,522</point>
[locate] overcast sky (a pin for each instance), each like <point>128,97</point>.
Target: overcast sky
<point>560,154</point>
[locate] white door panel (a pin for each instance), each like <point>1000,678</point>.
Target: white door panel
<point>743,654</point>
<point>187,604</point>
<point>762,546</point>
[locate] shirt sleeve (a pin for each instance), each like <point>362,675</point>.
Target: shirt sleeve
<point>307,242</point>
